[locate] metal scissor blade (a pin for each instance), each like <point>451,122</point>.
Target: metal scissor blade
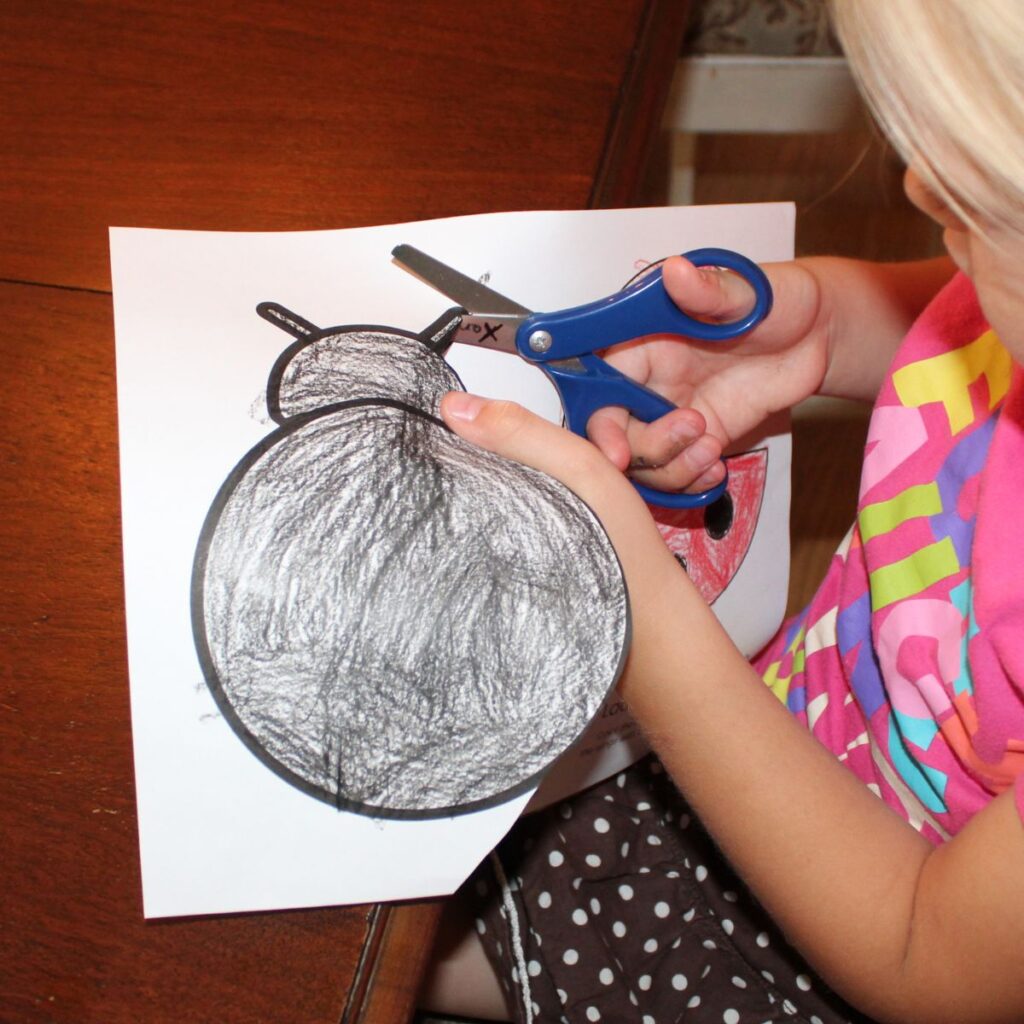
<point>474,296</point>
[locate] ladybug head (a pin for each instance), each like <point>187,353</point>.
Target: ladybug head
<point>326,367</point>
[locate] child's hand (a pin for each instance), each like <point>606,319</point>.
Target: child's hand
<point>722,389</point>
<point>512,431</point>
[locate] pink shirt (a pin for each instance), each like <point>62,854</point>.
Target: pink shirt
<point>908,663</point>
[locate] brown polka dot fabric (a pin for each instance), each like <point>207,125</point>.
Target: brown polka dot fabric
<point>616,906</point>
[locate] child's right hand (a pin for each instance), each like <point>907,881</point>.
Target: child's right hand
<point>723,389</point>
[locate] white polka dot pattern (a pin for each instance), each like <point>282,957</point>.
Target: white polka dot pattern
<point>629,914</point>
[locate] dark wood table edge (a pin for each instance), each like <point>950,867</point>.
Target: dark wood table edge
<point>398,946</point>
<point>636,120</point>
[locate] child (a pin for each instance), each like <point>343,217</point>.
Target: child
<point>869,800</point>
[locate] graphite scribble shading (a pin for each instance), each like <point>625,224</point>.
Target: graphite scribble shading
<point>393,620</point>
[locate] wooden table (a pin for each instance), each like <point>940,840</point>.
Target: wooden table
<point>266,115</point>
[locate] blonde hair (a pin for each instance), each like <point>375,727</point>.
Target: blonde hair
<point>945,79</point>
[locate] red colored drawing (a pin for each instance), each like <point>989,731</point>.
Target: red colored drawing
<point>711,543</point>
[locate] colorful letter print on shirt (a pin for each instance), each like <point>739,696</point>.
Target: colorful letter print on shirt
<point>909,662</point>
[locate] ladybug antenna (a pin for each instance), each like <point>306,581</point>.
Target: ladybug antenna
<point>286,320</point>
<point>438,337</point>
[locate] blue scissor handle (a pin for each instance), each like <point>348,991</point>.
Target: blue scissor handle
<point>592,384</point>
<point>641,309</point>
<point>587,383</point>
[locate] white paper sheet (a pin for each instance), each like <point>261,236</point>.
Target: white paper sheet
<point>219,832</point>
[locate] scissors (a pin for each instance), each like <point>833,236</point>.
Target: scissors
<point>563,343</point>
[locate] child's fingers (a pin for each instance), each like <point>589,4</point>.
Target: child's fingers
<point>719,295</point>
<point>669,454</point>
<point>656,444</point>
<point>607,430</point>
<point>696,467</point>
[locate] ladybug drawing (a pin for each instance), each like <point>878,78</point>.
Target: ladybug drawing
<point>710,543</point>
<point>394,621</point>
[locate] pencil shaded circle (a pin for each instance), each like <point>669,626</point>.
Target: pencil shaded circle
<point>350,363</point>
<point>401,623</point>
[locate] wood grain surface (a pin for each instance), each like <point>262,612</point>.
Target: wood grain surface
<point>276,116</point>
<point>73,945</point>
<point>260,116</point>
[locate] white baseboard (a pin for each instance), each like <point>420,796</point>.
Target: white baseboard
<point>762,94</point>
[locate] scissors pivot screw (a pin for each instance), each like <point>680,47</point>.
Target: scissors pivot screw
<point>539,341</point>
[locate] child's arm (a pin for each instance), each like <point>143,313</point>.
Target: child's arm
<point>904,931</point>
<point>869,307</point>
<point>813,342</point>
